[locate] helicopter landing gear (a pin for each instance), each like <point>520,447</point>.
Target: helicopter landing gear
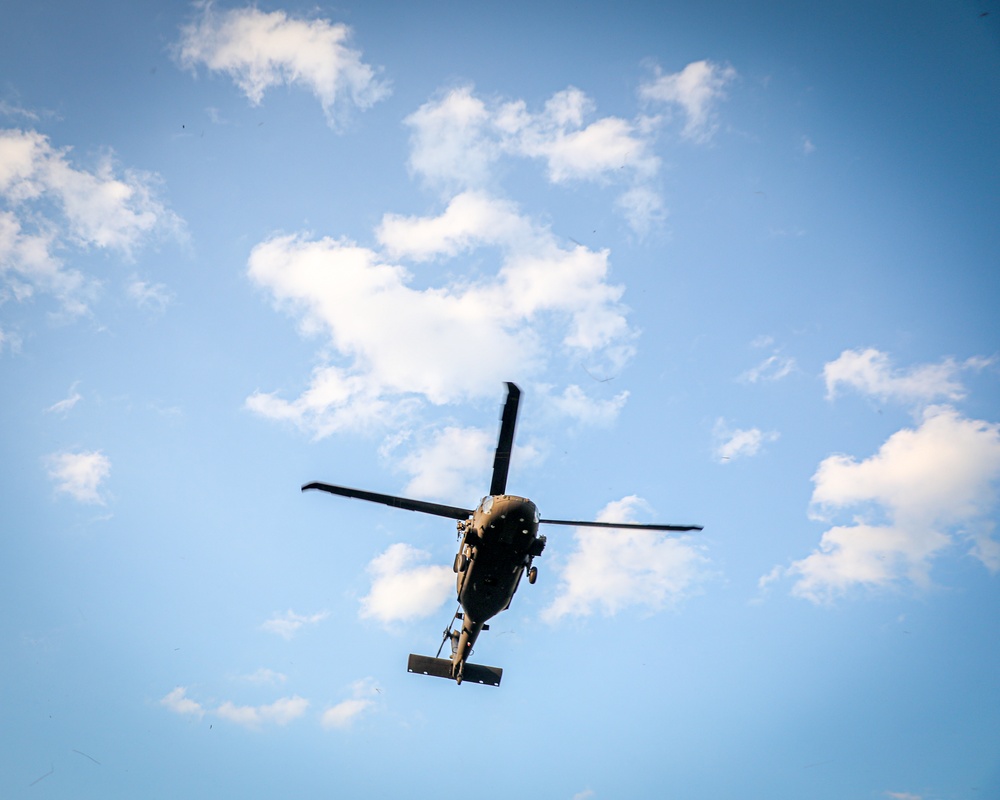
<point>532,574</point>
<point>461,562</point>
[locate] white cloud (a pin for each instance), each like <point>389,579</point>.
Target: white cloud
<point>772,368</point>
<point>178,702</point>
<point>403,588</point>
<point>926,488</point>
<point>458,138</point>
<point>265,676</point>
<point>696,90</point>
<point>452,143</point>
<point>472,219</point>
<point>48,207</point>
<point>66,405</point>
<point>344,713</point>
<point>10,341</point>
<point>870,372</point>
<point>731,444</point>
<point>643,209</point>
<point>389,335</point>
<point>611,570</point>
<point>80,474</point>
<point>280,712</point>
<point>259,50</point>
<point>574,403</point>
<point>288,624</point>
<point>571,148</point>
<point>453,465</point>
<point>903,796</point>
<point>151,297</point>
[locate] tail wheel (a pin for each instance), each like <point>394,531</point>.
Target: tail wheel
<point>532,574</point>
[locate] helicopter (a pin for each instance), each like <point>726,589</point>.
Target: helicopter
<point>499,541</point>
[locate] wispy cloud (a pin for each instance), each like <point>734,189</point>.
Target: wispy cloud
<point>153,297</point>
<point>696,90</point>
<point>260,50</point>
<point>67,404</point>
<point>739,443</point>
<point>343,714</point>
<point>871,372</point>
<point>576,404</point>
<point>772,368</point>
<point>178,702</point>
<point>404,587</point>
<point>265,677</point>
<point>280,712</point>
<point>49,207</point>
<point>459,137</point>
<point>612,570</point>
<point>9,340</point>
<point>80,474</point>
<point>288,624</point>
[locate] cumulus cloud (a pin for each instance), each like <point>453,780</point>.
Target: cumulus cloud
<point>49,207</point>
<point>260,50</point>
<point>404,587</point>
<point>927,488</point>
<point>344,713</point>
<point>388,335</point>
<point>80,474</point>
<point>178,702</point>
<point>871,372</point>
<point>738,443</point>
<point>696,90</point>
<point>458,137</point>
<point>280,712</point>
<point>288,624</point>
<point>611,570</point>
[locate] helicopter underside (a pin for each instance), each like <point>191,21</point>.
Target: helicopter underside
<point>499,545</point>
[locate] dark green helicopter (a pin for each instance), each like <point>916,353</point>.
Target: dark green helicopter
<point>499,541</point>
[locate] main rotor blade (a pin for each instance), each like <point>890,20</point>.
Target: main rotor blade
<point>626,525</point>
<point>501,461</point>
<point>396,502</point>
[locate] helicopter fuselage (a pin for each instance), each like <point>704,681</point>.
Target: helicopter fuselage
<point>499,541</point>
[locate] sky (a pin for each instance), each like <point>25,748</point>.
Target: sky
<point>742,261</point>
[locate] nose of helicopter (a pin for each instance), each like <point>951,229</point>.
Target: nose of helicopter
<point>510,507</point>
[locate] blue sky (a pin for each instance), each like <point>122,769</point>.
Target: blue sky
<point>743,263</point>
